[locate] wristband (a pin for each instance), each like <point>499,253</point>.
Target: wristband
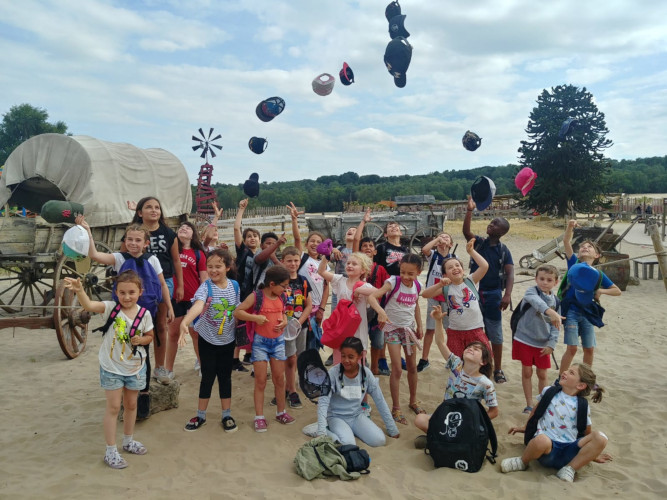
<point>212,225</point>
<point>321,309</point>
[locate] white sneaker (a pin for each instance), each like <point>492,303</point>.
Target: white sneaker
<point>158,372</point>
<point>197,366</point>
<point>513,464</point>
<point>566,474</point>
<point>166,378</point>
<point>310,430</point>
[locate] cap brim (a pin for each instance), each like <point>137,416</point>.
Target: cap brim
<point>261,115</point>
<point>400,82</point>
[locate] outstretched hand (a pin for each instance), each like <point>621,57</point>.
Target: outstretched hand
<point>217,211</point>
<point>437,313</point>
<point>243,203</point>
<point>73,284</point>
<point>132,205</point>
<point>293,211</point>
<point>470,246</point>
<point>81,221</point>
<point>471,203</point>
<point>367,215</point>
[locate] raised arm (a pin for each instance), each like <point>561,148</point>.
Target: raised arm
<point>323,271</point>
<point>356,242</point>
<point>426,249</point>
<point>467,233</point>
<point>265,254</point>
<point>479,260</point>
<point>567,238</point>
<point>294,214</point>
<point>437,314</point>
<point>103,258</point>
<point>238,234</point>
<point>89,305</point>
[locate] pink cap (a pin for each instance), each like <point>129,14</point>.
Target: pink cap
<point>525,180</point>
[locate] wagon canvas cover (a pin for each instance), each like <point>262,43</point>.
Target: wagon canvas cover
<point>100,175</point>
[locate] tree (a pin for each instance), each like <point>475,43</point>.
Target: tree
<point>21,123</point>
<point>572,172</point>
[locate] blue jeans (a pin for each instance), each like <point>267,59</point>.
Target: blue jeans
<point>344,430</point>
<point>576,325</point>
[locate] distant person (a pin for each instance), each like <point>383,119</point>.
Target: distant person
<point>648,210</point>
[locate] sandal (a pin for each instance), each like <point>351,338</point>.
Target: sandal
<point>499,377</point>
<point>527,410</point>
<point>398,417</point>
<point>416,408</point>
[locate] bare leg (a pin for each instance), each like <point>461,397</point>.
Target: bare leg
<point>195,341</point>
<point>591,447</point>
<point>172,343</point>
<point>278,377</point>
<point>411,364</point>
<point>111,415</point>
<point>421,422</point>
<point>588,355</point>
<point>396,372</point>
<point>527,383</point>
<point>260,386</point>
<point>428,340</point>
<point>290,374</point>
<point>497,356</point>
<point>538,446</point>
<point>541,379</point>
<point>375,356</point>
<point>129,410</point>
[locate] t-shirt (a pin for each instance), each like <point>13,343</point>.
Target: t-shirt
<point>390,256</point>
<point>498,256</point>
<point>435,260</point>
<point>273,309</point>
<point>480,388</point>
<point>340,288</point>
<point>161,242</point>
<point>217,324</point>
<point>463,308</point>
<point>296,295</point>
<point>191,272</point>
<point>339,265</point>
<point>380,277</point>
<point>244,261</point>
<point>152,260</point>
<point>400,308</point>
<point>259,270</point>
<point>116,356</point>
<point>570,295</point>
<point>316,282</point>
<point>559,422</point>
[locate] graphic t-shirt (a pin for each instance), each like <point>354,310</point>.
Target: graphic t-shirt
<point>390,256</point>
<point>115,354</point>
<point>296,295</point>
<point>316,282</point>
<point>463,308</point>
<point>217,324</point>
<point>480,388</point>
<point>435,261</point>
<point>161,242</point>
<point>559,422</point>
<point>400,308</point>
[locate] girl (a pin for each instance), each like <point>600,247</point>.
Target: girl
<point>193,264</point>
<point>556,444</point>
<point>339,413</point>
<point>122,370</point>
<point>215,300</point>
<point>435,251</point>
<point>164,246</point>
<point>466,324</point>
<point>469,374</point>
<point>404,329</point>
<point>268,344</point>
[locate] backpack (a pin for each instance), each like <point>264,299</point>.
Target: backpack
<point>582,413</point>
<point>151,294</point>
<point>319,458</point>
<point>313,376</point>
<point>133,329</point>
<point>357,460</point>
<point>593,311</point>
<point>342,323</point>
<point>385,298</point>
<point>523,307</point>
<point>458,435</point>
<point>502,260</point>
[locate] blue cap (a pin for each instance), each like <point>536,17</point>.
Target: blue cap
<point>583,279</point>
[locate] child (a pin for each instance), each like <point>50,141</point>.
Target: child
<point>537,331</point>
<point>193,264</point>
<point>436,251</point>
<point>210,236</point>
<point>268,344</point>
<point>163,244</point>
<point>463,308</point>
<point>500,275</point>
<point>266,258</point>
<point>339,413</point>
<point>298,306</point>
<point>560,445</point>
<point>469,374</point>
<point>404,329</point>
<point>216,336</point>
<point>576,323</point>
<point>339,258</point>
<point>122,371</point>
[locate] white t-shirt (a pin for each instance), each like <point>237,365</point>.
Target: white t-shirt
<point>480,388</point>
<point>112,348</point>
<point>339,287</point>
<point>559,422</point>
<point>401,306</point>
<point>316,282</point>
<point>464,312</point>
<point>152,260</point>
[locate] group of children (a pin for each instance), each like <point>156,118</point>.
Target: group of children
<point>217,300</point>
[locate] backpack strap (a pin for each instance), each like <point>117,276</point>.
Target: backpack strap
<point>471,285</point>
<point>374,274</point>
<point>197,257</point>
<point>397,286</point>
<point>304,259</point>
<point>237,288</point>
<point>259,300</point>
<point>112,316</point>
<point>531,425</point>
<point>432,263</point>
<point>582,413</point>
<point>493,452</point>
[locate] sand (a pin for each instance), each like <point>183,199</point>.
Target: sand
<point>52,444</point>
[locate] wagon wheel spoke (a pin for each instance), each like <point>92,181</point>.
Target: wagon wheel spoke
<point>421,237</point>
<point>374,231</point>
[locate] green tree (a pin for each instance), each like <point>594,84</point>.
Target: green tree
<point>572,171</point>
<point>21,123</point>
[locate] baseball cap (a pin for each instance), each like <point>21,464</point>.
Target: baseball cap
<point>257,145</point>
<point>75,243</point>
<point>269,108</point>
<point>525,180</point>
<point>346,75</point>
<point>397,27</point>
<point>471,141</point>
<point>482,192</point>
<point>565,127</point>
<point>323,84</point>
<point>397,58</point>
<point>392,10</point>
<point>251,186</point>
<point>584,280</point>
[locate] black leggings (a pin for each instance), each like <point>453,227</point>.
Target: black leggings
<point>216,360</point>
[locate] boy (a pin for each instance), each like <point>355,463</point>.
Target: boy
<point>500,275</point>
<point>577,323</point>
<point>266,258</point>
<point>537,331</point>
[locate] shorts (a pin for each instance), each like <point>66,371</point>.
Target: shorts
<point>376,335</point>
<point>398,336</point>
<point>529,355</point>
<point>112,381</point>
<point>493,319</point>
<point>264,348</point>
<point>430,322</point>
<point>560,455</point>
<point>458,340</point>
<point>576,325</point>
<point>181,308</point>
<point>170,285</point>
<point>298,345</point>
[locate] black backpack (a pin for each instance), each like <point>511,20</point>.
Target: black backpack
<point>523,307</point>
<point>582,413</point>
<point>458,435</point>
<point>357,460</point>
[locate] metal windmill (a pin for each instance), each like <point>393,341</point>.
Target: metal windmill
<point>205,193</point>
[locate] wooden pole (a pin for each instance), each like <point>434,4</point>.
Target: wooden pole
<point>659,251</point>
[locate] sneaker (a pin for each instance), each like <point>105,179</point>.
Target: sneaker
<point>167,377</point>
<point>420,442</point>
<point>246,359</point>
<point>310,430</point>
<point>260,425</point>
<point>366,409</point>
<point>566,474</point>
<point>329,361</point>
<point>423,365</point>
<point>383,367</point>
<point>273,400</point>
<point>198,367</point>
<point>228,424</point>
<point>194,424</point>
<point>238,367</point>
<point>115,461</point>
<point>285,418</point>
<point>404,365</point>
<point>160,371</point>
<point>512,464</point>
<point>294,401</point>
<point>135,447</point>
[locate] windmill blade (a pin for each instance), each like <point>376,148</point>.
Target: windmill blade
<point>216,146</point>
<point>197,139</point>
<point>203,153</point>
<point>195,148</point>
<point>212,154</point>
<point>209,133</point>
<point>202,133</point>
<point>216,137</point>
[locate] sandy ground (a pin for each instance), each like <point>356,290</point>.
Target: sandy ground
<point>52,445</point>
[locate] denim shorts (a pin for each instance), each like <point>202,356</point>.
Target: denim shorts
<point>263,348</point>
<point>430,322</point>
<point>560,455</point>
<point>112,381</point>
<point>576,325</point>
<point>493,320</point>
<point>170,285</point>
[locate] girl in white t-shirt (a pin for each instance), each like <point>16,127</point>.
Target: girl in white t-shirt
<point>404,329</point>
<point>122,363</point>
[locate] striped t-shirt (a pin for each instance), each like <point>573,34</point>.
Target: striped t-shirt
<point>217,324</point>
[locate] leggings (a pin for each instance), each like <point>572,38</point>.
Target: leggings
<point>216,361</point>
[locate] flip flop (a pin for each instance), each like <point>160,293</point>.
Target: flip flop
<point>398,417</point>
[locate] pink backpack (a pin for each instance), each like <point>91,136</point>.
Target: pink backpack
<point>342,323</point>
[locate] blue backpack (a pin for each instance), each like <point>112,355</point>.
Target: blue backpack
<point>151,295</point>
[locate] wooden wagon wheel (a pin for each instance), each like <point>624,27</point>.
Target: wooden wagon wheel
<point>24,284</point>
<point>421,237</point>
<point>95,277</point>
<point>70,323</point>
<point>374,231</point>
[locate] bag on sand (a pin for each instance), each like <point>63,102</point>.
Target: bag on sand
<point>357,460</point>
<point>319,458</point>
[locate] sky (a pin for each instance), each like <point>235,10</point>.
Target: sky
<point>152,72</point>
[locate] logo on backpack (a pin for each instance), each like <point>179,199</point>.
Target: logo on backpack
<point>452,422</point>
